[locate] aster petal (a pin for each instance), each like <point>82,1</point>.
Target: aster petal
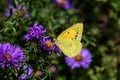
<point>75,65</point>
<point>35,24</point>
<point>10,55</point>
<point>23,7</point>
<point>5,46</point>
<point>7,13</point>
<point>65,4</point>
<point>23,77</point>
<point>26,15</point>
<point>10,2</point>
<point>19,6</point>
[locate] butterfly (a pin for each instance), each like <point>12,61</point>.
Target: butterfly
<point>69,40</point>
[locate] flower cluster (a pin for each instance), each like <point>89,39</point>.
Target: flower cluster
<point>10,55</point>
<point>20,10</point>
<point>47,44</point>
<point>35,33</point>
<point>32,65</point>
<point>64,3</point>
<point>83,59</point>
<point>27,73</point>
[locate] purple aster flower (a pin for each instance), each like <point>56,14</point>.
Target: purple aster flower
<point>53,68</point>
<point>10,2</point>
<point>27,73</point>
<point>64,3</point>
<point>38,73</point>
<point>10,55</point>
<point>47,44</point>
<point>83,59</point>
<point>35,33</point>
<point>20,10</point>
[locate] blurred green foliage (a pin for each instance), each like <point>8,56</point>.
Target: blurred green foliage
<point>101,35</point>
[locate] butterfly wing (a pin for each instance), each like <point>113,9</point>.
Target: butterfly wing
<point>69,40</point>
<point>74,32</point>
<point>69,47</point>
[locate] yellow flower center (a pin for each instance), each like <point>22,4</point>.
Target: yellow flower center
<point>62,1</point>
<point>8,56</point>
<point>38,73</point>
<point>49,44</point>
<point>78,58</point>
<point>22,12</point>
<point>69,34</point>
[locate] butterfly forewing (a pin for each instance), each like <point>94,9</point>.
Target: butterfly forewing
<point>74,31</point>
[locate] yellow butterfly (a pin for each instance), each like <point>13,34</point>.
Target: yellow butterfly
<point>69,40</point>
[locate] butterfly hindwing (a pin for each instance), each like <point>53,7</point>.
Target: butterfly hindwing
<point>69,47</point>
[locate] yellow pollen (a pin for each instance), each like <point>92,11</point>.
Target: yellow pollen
<point>38,73</point>
<point>78,58</point>
<point>62,1</point>
<point>70,34</point>
<point>49,44</point>
<point>8,56</point>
